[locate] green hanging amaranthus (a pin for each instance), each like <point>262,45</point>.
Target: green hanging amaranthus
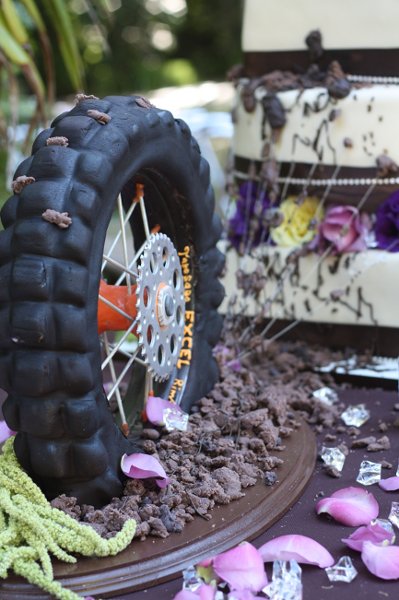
<point>31,529</point>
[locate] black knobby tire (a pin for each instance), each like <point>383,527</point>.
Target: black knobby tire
<point>50,361</point>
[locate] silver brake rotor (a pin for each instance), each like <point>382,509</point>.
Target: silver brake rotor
<point>160,305</point>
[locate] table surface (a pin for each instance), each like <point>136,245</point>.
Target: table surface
<point>302,518</point>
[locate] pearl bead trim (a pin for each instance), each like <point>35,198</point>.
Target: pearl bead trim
<point>328,182</point>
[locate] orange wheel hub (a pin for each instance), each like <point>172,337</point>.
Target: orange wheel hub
<point>109,319</point>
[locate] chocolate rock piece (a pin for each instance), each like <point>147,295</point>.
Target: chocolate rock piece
<point>81,97</point>
<point>20,182</point>
<point>99,116</point>
<point>62,220</point>
<point>57,141</point>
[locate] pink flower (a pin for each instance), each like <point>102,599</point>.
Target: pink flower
<point>381,561</point>
<point>391,484</point>
<point>344,228</point>
<point>299,547</point>
<point>241,567</point>
<point>144,466</point>
<point>373,532</point>
<point>350,506</point>
<point>5,432</point>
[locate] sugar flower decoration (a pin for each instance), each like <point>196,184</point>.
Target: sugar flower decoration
<point>387,224</point>
<point>344,228</point>
<point>247,228</point>
<point>297,226</point>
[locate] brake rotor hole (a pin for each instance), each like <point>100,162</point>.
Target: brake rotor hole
<point>176,279</point>
<point>154,262</point>
<point>161,355</point>
<point>146,296</point>
<point>150,335</point>
<point>173,345</point>
<point>165,257</point>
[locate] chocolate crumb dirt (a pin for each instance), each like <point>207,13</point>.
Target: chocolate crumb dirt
<point>234,439</point>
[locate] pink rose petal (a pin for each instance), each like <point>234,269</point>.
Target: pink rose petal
<point>351,506</point>
<point>391,484</point>
<point>381,561</point>
<point>235,365</point>
<point>5,432</point>
<point>299,547</point>
<point>144,466</point>
<point>243,595</point>
<point>242,568</point>
<point>155,407</point>
<point>204,592</point>
<point>373,532</point>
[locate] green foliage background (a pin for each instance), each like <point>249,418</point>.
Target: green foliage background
<point>204,39</point>
<point>50,49</point>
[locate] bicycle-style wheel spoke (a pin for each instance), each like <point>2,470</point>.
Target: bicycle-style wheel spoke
<point>123,257</point>
<point>118,345</point>
<point>115,389</point>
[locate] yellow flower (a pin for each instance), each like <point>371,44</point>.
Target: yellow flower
<point>296,227</point>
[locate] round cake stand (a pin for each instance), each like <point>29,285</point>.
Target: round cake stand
<point>153,561</point>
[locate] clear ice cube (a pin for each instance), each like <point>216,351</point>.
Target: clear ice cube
<point>394,514</point>
<point>333,457</point>
<point>369,473</point>
<point>343,570</point>
<point>286,581</point>
<point>326,395</point>
<point>174,418</point>
<point>191,581</point>
<point>355,415</point>
<point>387,525</point>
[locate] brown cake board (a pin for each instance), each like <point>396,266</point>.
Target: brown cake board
<point>155,560</point>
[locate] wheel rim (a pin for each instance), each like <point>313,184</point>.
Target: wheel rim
<point>149,302</point>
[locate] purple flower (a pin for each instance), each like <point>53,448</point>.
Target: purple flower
<point>247,228</point>
<point>387,224</point>
<point>344,228</point>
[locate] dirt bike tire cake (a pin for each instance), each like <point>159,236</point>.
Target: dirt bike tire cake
<point>51,252</point>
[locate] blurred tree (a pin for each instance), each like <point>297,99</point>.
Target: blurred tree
<point>25,47</point>
<point>57,47</point>
<point>153,43</point>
